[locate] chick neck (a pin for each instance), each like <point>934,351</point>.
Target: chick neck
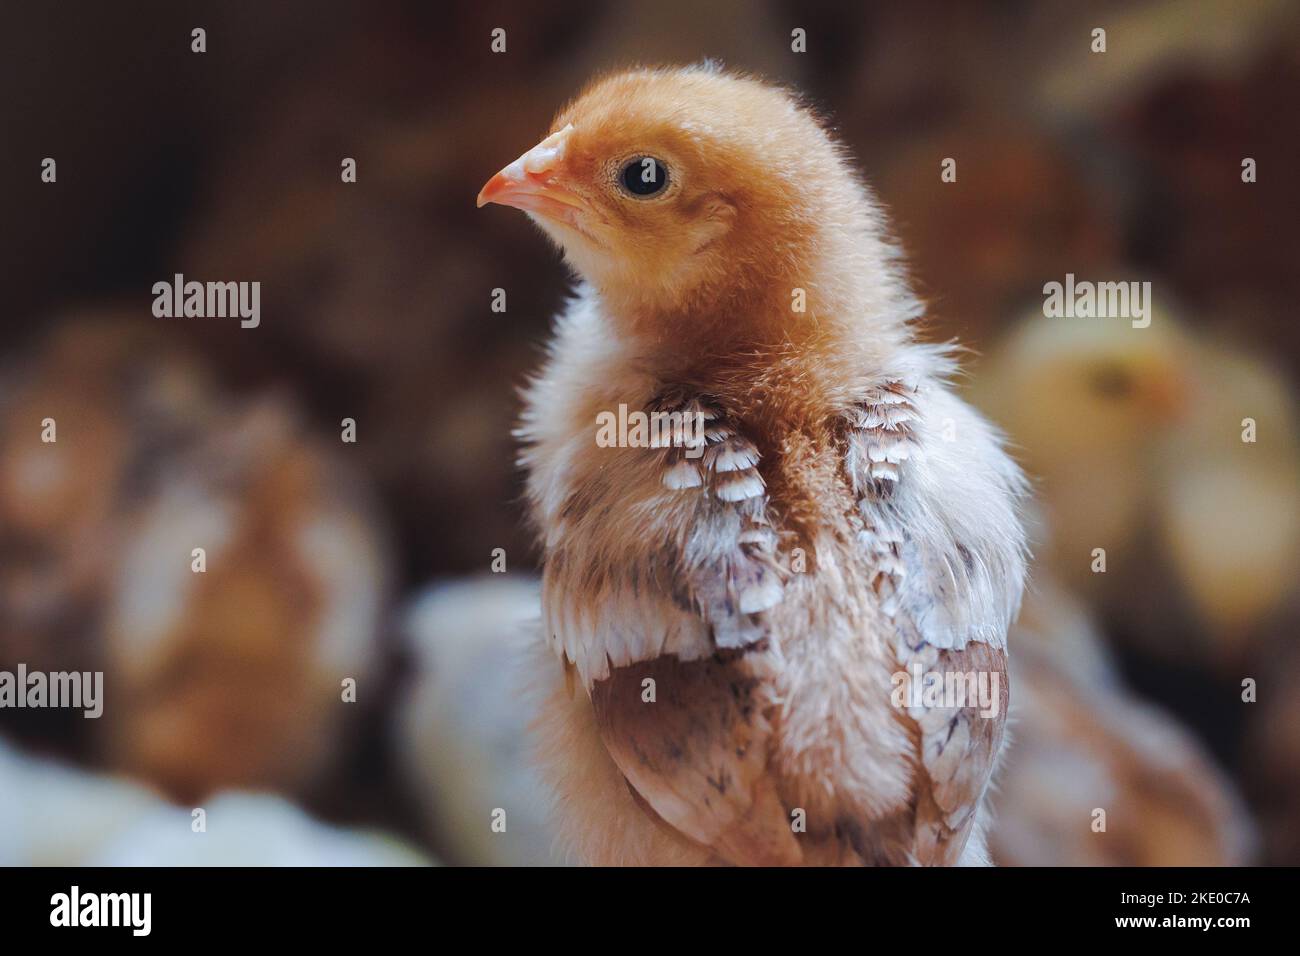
<point>744,339</point>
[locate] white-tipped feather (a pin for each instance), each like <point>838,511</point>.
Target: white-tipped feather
<point>684,474</point>
<point>738,486</point>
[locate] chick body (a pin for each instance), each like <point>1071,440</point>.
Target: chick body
<point>732,611</point>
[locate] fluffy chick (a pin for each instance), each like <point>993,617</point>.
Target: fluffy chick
<point>1134,438</point>
<point>731,606</point>
<point>1087,403</point>
<point>233,676</point>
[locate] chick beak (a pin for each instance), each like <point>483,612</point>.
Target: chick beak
<point>529,183</point>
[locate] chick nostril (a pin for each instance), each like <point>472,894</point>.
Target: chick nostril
<point>546,154</point>
<point>539,162</point>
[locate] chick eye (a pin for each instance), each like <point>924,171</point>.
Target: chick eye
<point>1112,381</point>
<point>645,176</point>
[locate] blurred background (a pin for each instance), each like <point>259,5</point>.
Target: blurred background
<point>372,560</point>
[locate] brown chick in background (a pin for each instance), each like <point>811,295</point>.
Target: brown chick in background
<point>730,608</point>
<point>118,394</point>
<point>233,676</point>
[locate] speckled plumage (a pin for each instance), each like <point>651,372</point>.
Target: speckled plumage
<point>848,517</point>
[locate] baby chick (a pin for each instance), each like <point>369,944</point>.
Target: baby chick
<point>1140,442</point>
<point>236,675</point>
<point>733,598</point>
<point>1086,402</point>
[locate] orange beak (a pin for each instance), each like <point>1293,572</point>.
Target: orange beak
<point>529,183</point>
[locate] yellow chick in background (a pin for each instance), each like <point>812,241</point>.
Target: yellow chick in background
<point>1135,439</point>
<point>1229,507</point>
<point>1085,403</point>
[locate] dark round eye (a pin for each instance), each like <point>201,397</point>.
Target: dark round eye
<point>1112,380</point>
<point>645,176</point>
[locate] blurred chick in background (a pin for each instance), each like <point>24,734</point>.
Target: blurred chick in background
<point>1133,437</point>
<point>462,727</point>
<point>1085,403</point>
<point>228,677</point>
<point>234,676</point>
<point>116,394</point>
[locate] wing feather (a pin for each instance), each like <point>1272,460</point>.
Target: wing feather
<point>696,753</point>
<point>951,611</point>
<point>692,739</point>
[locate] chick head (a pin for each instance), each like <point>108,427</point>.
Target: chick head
<point>1071,387</point>
<point>665,187</point>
